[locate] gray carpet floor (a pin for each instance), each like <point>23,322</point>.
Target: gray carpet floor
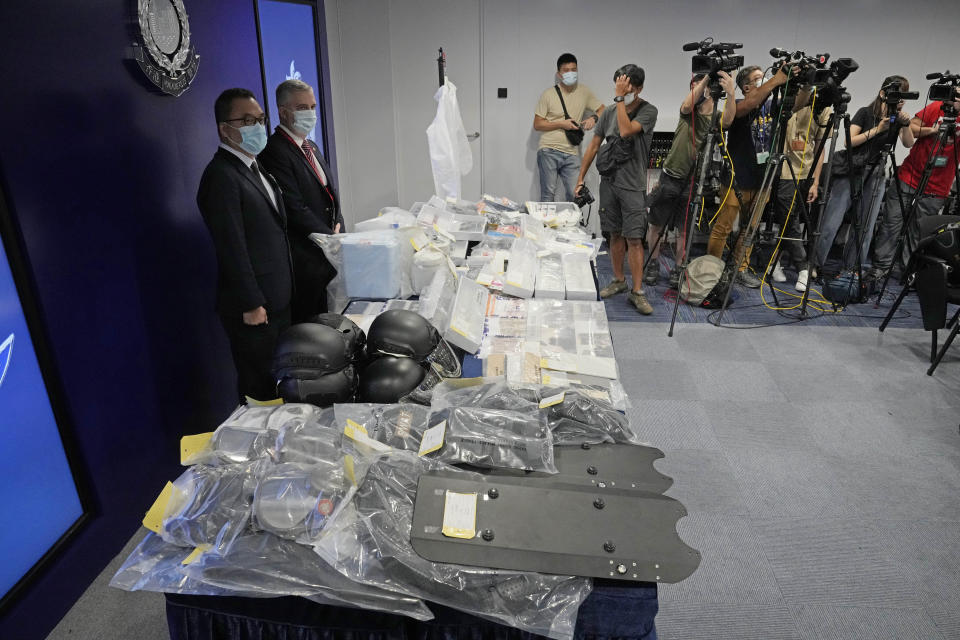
<point>820,467</point>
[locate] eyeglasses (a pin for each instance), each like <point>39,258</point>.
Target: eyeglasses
<point>249,121</point>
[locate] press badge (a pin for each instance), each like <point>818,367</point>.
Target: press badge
<point>939,162</point>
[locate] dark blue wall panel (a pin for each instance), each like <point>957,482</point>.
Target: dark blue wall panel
<point>101,174</point>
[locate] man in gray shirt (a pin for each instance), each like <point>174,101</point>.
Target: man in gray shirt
<point>625,133</point>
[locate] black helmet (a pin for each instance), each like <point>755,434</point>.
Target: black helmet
<point>388,378</point>
<point>323,391</point>
<point>348,329</point>
<point>310,350</point>
<point>399,332</point>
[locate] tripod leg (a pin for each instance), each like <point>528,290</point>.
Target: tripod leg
<point>893,309</point>
<point>943,350</point>
<point>933,346</point>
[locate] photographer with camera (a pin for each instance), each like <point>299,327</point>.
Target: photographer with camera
<point>672,196</point>
<point>868,134</point>
<point>747,171</point>
<point>625,133</point>
<point>559,117</point>
<point>925,126</point>
<point>803,133</point>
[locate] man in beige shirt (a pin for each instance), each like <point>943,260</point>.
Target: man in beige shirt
<point>557,157</point>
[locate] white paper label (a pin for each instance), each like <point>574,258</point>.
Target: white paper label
<point>459,515</point>
<point>433,438</point>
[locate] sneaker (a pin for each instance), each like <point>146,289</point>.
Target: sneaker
<point>674,278</point>
<point>748,280</point>
<point>778,274</point>
<point>637,299</point>
<point>613,288</point>
<point>652,273</point>
<point>801,280</point>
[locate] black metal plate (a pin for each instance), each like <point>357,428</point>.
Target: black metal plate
<point>556,527</point>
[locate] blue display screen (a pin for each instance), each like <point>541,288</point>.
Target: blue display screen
<point>37,491</point>
<point>289,40</point>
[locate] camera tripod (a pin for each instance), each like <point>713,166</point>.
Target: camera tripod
<point>947,130</point>
<point>771,175</point>
<point>709,145</point>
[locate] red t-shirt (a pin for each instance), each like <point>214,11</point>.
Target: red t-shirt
<point>912,168</point>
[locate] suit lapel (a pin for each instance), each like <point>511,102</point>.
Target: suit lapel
<point>248,174</point>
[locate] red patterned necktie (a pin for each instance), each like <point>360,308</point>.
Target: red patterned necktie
<point>307,151</point>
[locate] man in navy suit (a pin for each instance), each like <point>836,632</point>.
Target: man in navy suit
<point>309,194</point>
<point>243,209</point>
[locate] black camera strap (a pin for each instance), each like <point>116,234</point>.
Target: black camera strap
<point>562,103</point>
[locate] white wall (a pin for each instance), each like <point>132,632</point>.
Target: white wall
<point>382,45</point>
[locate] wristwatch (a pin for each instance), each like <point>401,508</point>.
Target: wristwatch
<point>618,98</point>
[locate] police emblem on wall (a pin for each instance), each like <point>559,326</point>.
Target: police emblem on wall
<point>163,49</point>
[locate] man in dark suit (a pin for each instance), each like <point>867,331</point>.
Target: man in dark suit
<point>308,194</point>
<point>243,208</point>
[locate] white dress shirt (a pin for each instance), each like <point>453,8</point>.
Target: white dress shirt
<point>248,162</point>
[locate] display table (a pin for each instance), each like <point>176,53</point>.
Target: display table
<point>611,611</point>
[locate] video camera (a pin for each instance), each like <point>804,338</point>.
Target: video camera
<point>947,87</point>
<point>894,96</point>
<point>711,58</point>
<point>808,66</point>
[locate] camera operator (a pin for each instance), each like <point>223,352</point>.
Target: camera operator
<point>868,134</point>
<point>802,136</point>
<point>671,197</point>
<point>626,132</point>
<point>925,126</point>
<point>559,116</point>
<point>748,173</point>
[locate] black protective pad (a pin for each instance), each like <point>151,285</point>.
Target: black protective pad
<point>619,466</point>
<point>551,525</point>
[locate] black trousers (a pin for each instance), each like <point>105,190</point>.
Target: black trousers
<point>252,348</point>
<point>312,273</point>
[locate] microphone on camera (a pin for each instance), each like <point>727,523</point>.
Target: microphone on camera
<point>779,53</point>
<point>691,46</point>
<point>934,76</point>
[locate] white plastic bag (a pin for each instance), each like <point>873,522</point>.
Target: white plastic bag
<point>450,154</point>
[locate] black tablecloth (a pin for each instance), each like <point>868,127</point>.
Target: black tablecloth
<point>611,612</point>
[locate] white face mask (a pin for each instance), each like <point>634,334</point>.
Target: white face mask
<point>569,78</point>
<point>627,99</point>
<point>758,82</point>
<point>304,121</point>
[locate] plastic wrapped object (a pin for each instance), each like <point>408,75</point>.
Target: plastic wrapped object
<point>426,263</point>
<point>370,543</point>
<point>370,264</point>
<point>496,438</point>
<point>399,426</point>
<point>495,203</point>
<point>573,337</point>
<point>387,218</point>
<point>555,214</point>
<point>578,414</point>
<point>258,565</point>
<point>266,565</point>
<point>550,283</point>
<point>209,505</point>
<point>296,501</point>
<point>436,301</point>
<point>458,226</point>
<point>578,277</point>
<point>388,378</point>
<point>310,441</point>
<point>465,328</point>
<point>251,433</point>
<point>156,565</point>
<point>521,272</point>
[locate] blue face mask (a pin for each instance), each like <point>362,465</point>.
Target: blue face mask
<point>569,78</point>
<point>304,121</point>
<point>253,138</point>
